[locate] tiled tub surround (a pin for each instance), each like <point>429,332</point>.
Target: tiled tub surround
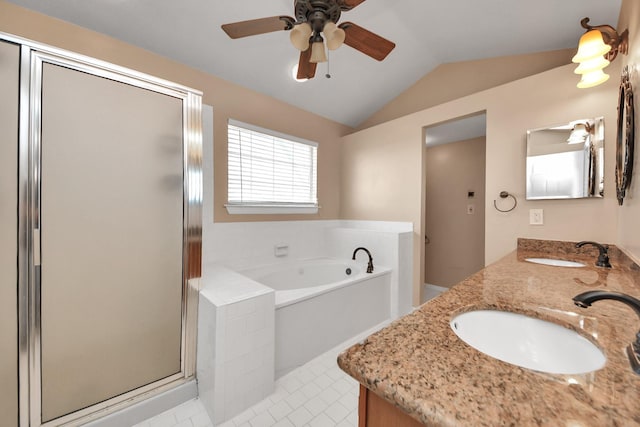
<point>247,332</point>
<point>236,331</point>
<point>240,246</point>
<point>420,365</point>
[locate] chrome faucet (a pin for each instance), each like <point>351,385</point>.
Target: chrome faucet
<point>370,265</point>
<point>603,257</point>
<point>585,300</point>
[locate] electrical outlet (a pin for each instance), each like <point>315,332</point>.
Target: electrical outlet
<point>471,209</point>
<point>536,217</point>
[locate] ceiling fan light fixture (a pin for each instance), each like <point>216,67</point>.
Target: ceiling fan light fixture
<point>317,49</point>
<point>299,36</point>
<point>335,36</point>
<point>316,21</point>
<point>317,53</point>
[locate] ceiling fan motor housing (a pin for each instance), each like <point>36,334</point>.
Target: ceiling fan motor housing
<point>321,16</point>
<point>318,12</point>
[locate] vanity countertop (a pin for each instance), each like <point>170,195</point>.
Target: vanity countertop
<point>418,363</point>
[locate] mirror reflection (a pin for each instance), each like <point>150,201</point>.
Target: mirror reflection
<point>566,161</point>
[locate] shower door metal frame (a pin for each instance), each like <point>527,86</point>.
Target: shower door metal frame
<point>33,56</point>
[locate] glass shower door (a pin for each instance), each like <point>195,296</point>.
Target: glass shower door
<point>9,86</point>
<point>111,228</point>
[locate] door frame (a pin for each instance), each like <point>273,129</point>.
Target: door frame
<point>424,197</point>
<point>32,56</point>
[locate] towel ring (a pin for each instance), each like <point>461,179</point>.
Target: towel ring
<point>504,195</point>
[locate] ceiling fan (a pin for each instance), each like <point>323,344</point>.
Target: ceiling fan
<point>313,17</point>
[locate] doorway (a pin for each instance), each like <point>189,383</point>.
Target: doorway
<point>454,210</point>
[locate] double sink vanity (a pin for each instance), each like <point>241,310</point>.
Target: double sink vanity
<point>509,346</point>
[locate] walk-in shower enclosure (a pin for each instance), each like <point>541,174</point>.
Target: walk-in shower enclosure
<point>100,235</point>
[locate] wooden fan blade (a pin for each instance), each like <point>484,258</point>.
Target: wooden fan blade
<point>366,42</point>
<point>254,27</point>
<point>306,69</point>
<point>350,4</point>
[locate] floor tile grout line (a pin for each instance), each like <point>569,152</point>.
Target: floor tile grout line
<point>287,388</point>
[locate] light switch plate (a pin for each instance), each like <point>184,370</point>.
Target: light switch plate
<point>536,217</point>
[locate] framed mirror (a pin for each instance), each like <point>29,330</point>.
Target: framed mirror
<point>625,137</point>
<point>566,161</point>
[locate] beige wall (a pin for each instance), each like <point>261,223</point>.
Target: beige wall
<point>629,213</point>
<point>382,165</point>
<point>457,79</point>
<point>228,101</point>
<point>456,238</point>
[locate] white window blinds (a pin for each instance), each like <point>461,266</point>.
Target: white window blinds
<point>268,169</point>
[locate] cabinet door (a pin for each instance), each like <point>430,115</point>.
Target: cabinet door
<point>9,87</point>
<point>373,411</point>
<point>111,238</point>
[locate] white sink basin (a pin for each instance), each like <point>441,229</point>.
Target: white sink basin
<point>555,262</point>
<point>528,342</point>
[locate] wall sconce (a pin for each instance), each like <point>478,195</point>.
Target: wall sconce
<point>579,133</point>
<point>597,48</point>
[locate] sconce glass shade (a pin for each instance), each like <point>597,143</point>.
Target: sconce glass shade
<point>579,134</point>
<point>597,63</point>
<point>299,36</point>
<point>593,78</point>
<point>317,52</point>
<point>591,46</point>
<point>335,36</point>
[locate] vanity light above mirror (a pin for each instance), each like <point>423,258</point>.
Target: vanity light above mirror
<point>566,161</point>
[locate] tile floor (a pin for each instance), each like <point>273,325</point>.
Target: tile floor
<point>317,394</point>
<point>432,291</point>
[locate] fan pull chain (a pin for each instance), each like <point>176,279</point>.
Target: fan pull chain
<point>328,75</point>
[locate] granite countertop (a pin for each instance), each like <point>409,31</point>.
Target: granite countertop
<point>418,364</point>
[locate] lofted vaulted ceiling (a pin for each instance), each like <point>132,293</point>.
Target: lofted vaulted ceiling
<point>427,33</point>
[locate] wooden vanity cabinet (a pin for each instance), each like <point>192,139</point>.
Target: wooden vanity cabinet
<point>374,411</point>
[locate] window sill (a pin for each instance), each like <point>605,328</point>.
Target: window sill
<point>248,209</point>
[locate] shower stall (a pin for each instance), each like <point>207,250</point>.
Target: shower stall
<point>100,235</point>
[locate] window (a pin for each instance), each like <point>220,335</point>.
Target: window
<point>269,172</point>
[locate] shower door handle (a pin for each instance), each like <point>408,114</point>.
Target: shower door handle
<point>36,247</point>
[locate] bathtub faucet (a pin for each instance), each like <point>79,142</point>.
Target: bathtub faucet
<point>370,265</point>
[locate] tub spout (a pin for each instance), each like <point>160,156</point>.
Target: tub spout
<point>585,300</point>
<point>370,264</point>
